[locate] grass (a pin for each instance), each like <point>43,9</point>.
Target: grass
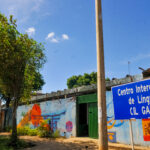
<point>5,144</point>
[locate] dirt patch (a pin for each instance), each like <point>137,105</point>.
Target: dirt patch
<point>72,144</point>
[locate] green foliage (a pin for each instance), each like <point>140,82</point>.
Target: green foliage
<point>21,58</point>
<point>5,144</point>
<point>23,131</point>
<point>27,131</point>
<point>56,134</point>
<point>38,81</point>
<point>33,132</point>
<point>43,133</point>
<point>80,80</point>
<point>43,130</point>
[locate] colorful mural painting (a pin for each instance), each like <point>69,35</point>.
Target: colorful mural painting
<point>112,124</point>
<point>60,113</point>
<point>69,126</point>
<point>146,129</point>
<point>112,137</point>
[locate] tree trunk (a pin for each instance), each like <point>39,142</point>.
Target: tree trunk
<point>14,124</point>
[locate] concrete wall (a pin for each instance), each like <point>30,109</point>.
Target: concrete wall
<point>61,112</point>
<point>119,131</point>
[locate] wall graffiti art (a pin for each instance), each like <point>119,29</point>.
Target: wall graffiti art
<point>54,113</point>
<point>69,126</point>
<point>113,123</point>
<point>54,118</point>
<point>112,137</point>
<point>35,117</point>
<point>36,111</point>
<point>146,129</point>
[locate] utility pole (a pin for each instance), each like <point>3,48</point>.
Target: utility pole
<point>101,88</point>
<point>129,67</point>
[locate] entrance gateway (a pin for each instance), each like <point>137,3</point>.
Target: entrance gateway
<point>87,116</point>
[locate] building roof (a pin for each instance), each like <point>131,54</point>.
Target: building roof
<point>84,89</point>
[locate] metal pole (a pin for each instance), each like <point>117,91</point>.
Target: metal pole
<point>129,67</point>
<point>131,134</point>
<point>101,89</point>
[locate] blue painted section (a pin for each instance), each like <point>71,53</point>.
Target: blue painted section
<point>121,127</point>
<point>112,137</point>
<point>132,100</point>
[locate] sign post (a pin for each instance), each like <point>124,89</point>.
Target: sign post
<point>131,134</point>
<point>132,101</point>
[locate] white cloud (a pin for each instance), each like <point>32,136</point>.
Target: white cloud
<point>50,35</point>
<point>54,40</point>
<point>65,37</point>
<point>30,31</point>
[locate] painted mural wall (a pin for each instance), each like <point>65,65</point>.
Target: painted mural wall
<point>61,113</point>
<point>119,131</point>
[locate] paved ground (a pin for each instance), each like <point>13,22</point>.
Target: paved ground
<point>71,144</point>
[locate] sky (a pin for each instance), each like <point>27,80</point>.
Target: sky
<point>67,30</point>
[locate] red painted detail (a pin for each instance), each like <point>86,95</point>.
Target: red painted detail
<point>69,126</point>
<point>36,111</point>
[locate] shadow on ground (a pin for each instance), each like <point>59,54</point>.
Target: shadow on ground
<point>70,144</point>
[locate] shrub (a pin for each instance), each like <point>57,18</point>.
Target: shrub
<point>43,133</point>
<point>33,132</point>
<point>23,130</point>
<point>56,134</point>
<point>27,131</point>
<point>44,130</point>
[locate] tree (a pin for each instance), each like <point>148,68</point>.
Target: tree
<point>38,83</point>
<point>86,79</point>
<point>21,58</point>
